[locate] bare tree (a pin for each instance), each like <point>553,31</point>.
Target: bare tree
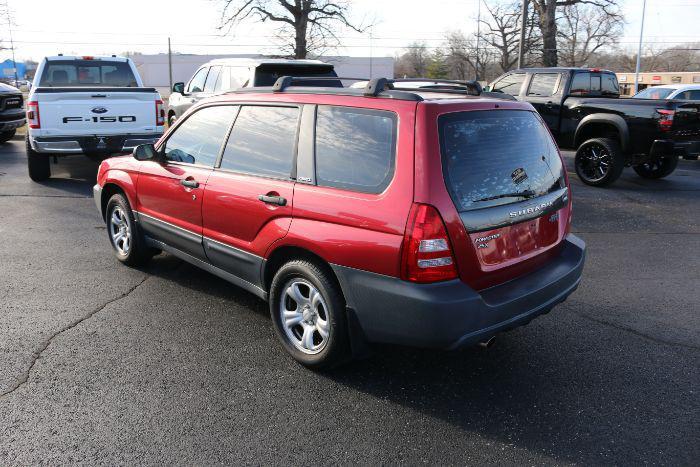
<point>460,56</point>
<point>414,62</point>
<point>502,33</point>
<point>547,14</point>
<point>305,26</point>
<point>583,30</point>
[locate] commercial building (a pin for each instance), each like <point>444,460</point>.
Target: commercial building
<point>626,80</point>
<point>154,69</point>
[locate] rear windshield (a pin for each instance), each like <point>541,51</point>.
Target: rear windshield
<point>654,93</point>
<point>266,75</point>
<point>87,73</point>
<point>496,157</point>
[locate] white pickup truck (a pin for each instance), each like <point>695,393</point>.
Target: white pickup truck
<point>96,106</point>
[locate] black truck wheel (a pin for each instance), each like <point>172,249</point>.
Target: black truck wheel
<point>658,168</point>
<point>6,136</point>
<point>599,161</point>
<point>39,165</point>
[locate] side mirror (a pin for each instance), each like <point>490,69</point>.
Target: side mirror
<point>179,88</point>
<point>145,152</point>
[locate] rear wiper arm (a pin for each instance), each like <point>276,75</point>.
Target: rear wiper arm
<point>523,194</point>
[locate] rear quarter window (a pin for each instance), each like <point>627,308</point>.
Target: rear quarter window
<point>355,148</point>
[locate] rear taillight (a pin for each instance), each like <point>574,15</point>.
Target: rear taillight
<point>666,119</point>
<point>160,113</point>
<point>33,114</point>
<point>426,254</point>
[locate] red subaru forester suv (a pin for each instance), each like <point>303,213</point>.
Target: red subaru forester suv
<point>422,217</point>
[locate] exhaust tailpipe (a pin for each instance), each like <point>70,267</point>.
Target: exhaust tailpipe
<point>487,344</point>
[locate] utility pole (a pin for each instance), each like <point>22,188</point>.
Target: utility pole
<point>639,49</point>
<point>523,24</point>
<point>370,54</point>
<point>478,37</point>
<point>170,65</point>
<point>12,43</point>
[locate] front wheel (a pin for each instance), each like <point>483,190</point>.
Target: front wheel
<point>599,161</point>
<point>124,235</point>
<point>658,168</point>
<point>308,314</point>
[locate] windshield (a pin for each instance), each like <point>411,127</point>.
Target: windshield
<point>66,73</point>
<point>266,75</point>
<point>494,157</point>
<point>654,93</point>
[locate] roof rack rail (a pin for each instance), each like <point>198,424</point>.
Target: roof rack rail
<point>283,82</point>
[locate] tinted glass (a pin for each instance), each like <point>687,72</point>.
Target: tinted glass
<point>198,139</point>
<point>212,77</point>
<point>87,73</point>
<point>580,84</point>
<point>197,81</point>
<point>262,141</point>
<point>497,157</point>
<point>543,84</point>
<point>610,85</point>
<point>595,83</point>
<point>511,84</point>
<point>693,95</point>
<point>655,92</point>
<point>266,75</point>
<point>355,148</point>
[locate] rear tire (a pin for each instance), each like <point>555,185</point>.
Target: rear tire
<point>6,136</point>
<point>599,161</point>
<point>39,165</point>
<point>124,234</point>
<point>308,314</point>
<point>658,168</point>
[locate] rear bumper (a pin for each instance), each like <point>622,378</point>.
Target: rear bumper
<point>663,147</point>
<point>451,314</point>
<point>109,144</point>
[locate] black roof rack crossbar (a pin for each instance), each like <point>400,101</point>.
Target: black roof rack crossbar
<point>284,82</point>
<point>377,85</point>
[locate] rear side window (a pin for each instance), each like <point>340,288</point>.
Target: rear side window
<point>610,85</point>
<point>543,84</point>
<point>510,84</point>
<point>355,148</point>
<point>497,157</point>
<point>198,139</point>
<point>262,141</point>
<point>87,73</point>
<point>581,84</point>
<point>212,77</point>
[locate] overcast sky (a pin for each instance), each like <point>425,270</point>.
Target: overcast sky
<point>85,27</point>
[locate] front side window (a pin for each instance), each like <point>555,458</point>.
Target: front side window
<point>212,77</point>
<point>198,80</point>
<point>510,84</point>
<point>87,73</point>
<point>262,141</point>
<point>543,84</point>
<point>198,139</point>
<point>494,157</point>
<point>355,148</point>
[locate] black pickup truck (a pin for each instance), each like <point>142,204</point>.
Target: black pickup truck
<point>584,111</point>
<point>11,111</point>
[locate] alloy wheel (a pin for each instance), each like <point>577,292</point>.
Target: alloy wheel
<point>120,231</point>
<point>304,316</point>
<point>594,163</point>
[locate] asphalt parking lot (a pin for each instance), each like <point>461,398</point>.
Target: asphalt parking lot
<point>104,364</point>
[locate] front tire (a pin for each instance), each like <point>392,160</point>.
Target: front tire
<point>124,234</point>
<point>7,136</point>
<point>308,314</point>
<point>39,165</point>
<point>599,161</point>
<point>658,168</point>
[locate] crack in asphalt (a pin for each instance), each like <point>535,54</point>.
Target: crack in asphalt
<point>636,333</point>
<point>36,355</point>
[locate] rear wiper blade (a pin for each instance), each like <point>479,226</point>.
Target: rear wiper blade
<point>520,194</point>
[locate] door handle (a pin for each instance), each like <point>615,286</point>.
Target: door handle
<point>189,183</point>
<point>549,104</point>
<point>278,200</point>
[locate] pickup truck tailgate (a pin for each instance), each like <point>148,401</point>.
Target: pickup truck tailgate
<point>121,111</point>
<point>686,122</point>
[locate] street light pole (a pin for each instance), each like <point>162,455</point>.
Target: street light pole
<point>639,49</point>
<point>523,22</point>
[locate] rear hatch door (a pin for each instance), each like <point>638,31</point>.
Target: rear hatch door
<point>96,111</point>
<point>507,181</point>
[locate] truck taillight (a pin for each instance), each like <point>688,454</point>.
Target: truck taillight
<point>426,254</point>
<point>33,114</point>
<point>666,119</point>
<point>160,113</point>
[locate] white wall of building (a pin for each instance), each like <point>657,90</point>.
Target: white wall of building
<point>154,68</point>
